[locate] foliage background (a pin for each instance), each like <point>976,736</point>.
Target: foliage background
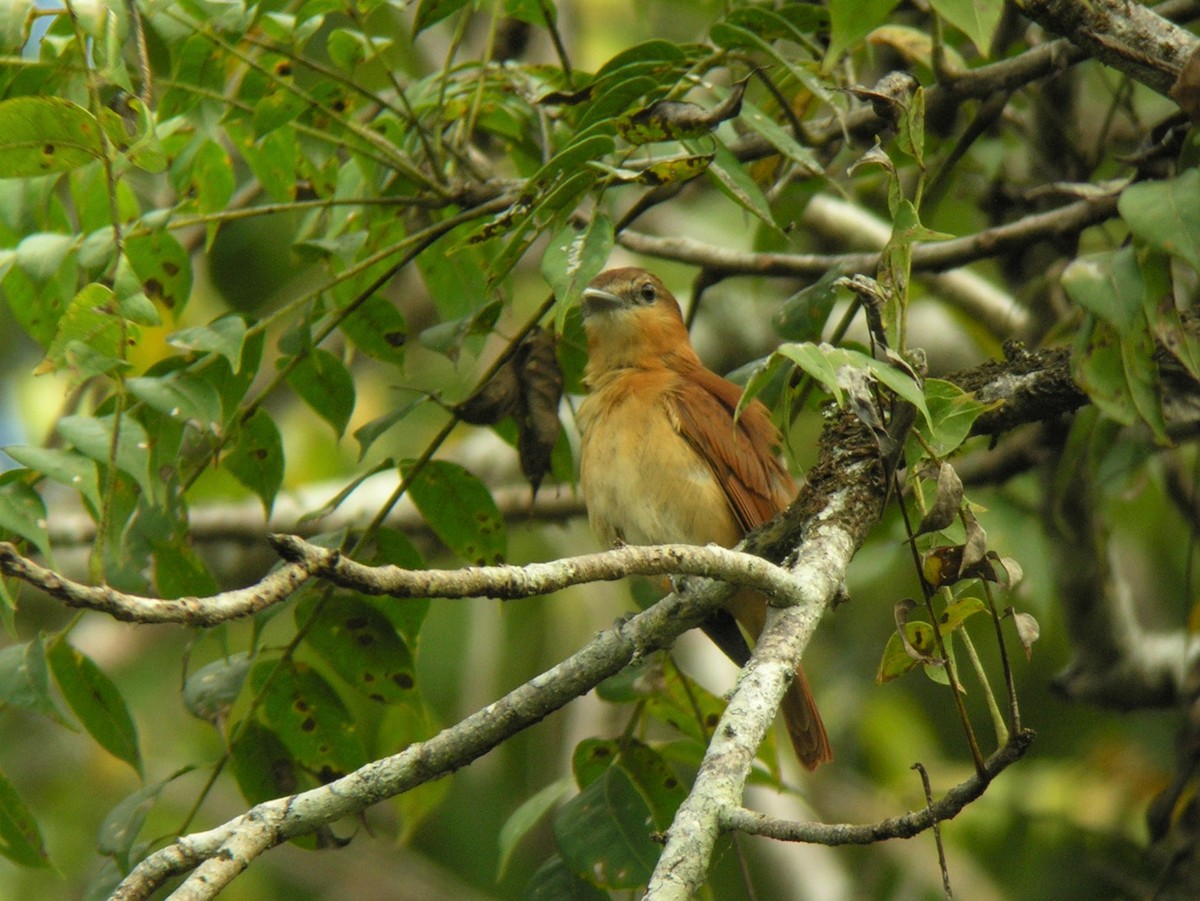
<point>268,109</point>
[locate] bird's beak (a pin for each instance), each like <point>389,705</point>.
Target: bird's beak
<point>598,301</point>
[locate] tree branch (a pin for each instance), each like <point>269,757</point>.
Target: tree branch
<point>842,500</point>
<point>905,826</point>
<point>507,582</point>
<point>928,257</point>
<point>191,611</point>
<point>1127,36</point>
<point>219,855</point>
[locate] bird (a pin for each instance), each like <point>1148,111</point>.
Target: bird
<point>664,460</point>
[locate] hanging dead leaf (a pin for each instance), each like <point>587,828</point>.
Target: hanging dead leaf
<point>947,501</point>
<point>1028,630</point>
<point>496,398</point>
<point>541,387</point>
<point>975,547</point>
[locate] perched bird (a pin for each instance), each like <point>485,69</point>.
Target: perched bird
<point>663,460</point>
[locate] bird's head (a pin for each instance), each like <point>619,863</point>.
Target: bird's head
<point>632,320</point>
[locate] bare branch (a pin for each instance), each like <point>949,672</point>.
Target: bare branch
<point>192,611</point>
<point>539,578</point>
<point>219,855</point>
<point>1127,36</point>
<point>929,257</point>
<point>905,826</point>
<point>841,501</point>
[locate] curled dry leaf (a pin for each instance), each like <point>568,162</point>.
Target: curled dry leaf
<point>674,120</point>
<point>947,501</point>
<point>498,397</point>
<point>527,387</point>
<point>1028,630</point>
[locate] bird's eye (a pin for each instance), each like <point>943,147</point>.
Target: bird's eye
<point>647,293</point>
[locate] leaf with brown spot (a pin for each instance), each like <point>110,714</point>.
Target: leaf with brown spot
<point>361,645</point>
<point>306,713</point>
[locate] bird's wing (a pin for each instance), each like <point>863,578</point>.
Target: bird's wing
<point>741,454</point>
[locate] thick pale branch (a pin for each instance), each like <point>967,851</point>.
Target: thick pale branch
<point>1127,36</point>
<point>220,854</point>
<point>191,611</point>
<point>842,500</point>
<point>507,582</point>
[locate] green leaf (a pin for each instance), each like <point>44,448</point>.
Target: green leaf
<point>1165,214</point>
<point>96,701</point>
<point>406,614</point>
<point>41,255</point>
<point>23,513</point>
<point>93,437</point>
<point>257,457</point>
<point>1109,285</point>
<point>378,328</point>
<point>307,715</point>
<point>957,612</point>
<point>850,21</point>
<point>685,704</point>
<point>210,691</point>
<point>461,512</point>
<point>952,412</point>
<point>896,659</point>
<point>265,769</point>
<point>163,267</point>
<point>224,336</point>
<point>361,645</point>
<point>178,570</point>
<point>181,395</point>
<point>369,432</point>
<point>828,359</point>
<point>273,159</point>
<point>348,47</point>
<point>977,19</point>
<point>655,779</point>
<point>325,384</point>
<point>591,759</point>
<point>20,839</point>
<point>430,12</point>
<point>213,181</point>
<point>40,135</point>
<point>25,680</point>
<point>119,830</point>
<point>262,764</point>
<point>573,258</point>
<point>525,817</point>
<point>802,316</point>
<point>1119,374</point>
<point>1113,356</point>
<point>603,833</point>
<point>91,324</point>
<point>732,179</point>
<point>66,467</point>
<point>15,19</point>
<point>554,881</point>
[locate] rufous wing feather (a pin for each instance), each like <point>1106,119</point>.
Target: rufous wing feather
<point>741,455</point>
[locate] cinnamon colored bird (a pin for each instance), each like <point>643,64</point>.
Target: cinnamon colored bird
<point>663,460</point>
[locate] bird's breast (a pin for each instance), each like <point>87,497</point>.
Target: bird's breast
<point>642,482</point>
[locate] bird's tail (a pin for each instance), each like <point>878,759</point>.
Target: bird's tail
<point>804,725</point>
